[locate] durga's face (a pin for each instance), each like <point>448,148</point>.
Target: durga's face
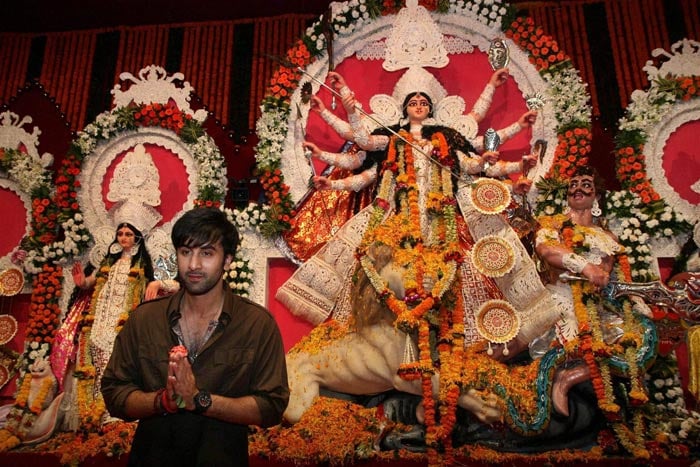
<point>418,108</point>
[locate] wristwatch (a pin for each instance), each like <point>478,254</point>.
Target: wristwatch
<point>202,401</point>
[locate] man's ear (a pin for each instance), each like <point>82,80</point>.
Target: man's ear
<point>228,259</point>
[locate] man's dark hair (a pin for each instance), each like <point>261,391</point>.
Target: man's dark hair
<point>205,226</point>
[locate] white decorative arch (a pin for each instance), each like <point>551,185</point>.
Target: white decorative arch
<point>25,198</point>
<point>466,28</point>
<point>658,137</point>
<point>93,177</point>
<point>653,116</point>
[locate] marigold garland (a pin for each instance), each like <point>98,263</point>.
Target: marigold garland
<point>331,431</point>
<point>590,345</point>
<point>544,51</point>
<point>44,311</point>
<point>91,406</point>
<point>112,441</point>
<point>436,256</point>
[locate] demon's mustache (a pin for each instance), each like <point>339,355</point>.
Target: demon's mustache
<point>583,192</point>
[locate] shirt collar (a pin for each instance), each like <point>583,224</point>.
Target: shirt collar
<point>173,311</point>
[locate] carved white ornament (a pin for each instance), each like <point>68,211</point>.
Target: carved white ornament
<point>683,60</point>
<point>152,86</point>
<point>415,40</point>
<point>13,135</point>
<point>453,45</point>
<point>98,220</point>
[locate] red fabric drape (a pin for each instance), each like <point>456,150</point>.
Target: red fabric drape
<point>66,71</point>
<point>14,57</point>
<point>140,47</point>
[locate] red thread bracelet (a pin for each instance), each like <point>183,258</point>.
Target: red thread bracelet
<point>157,405</point>
<point>167,402</point>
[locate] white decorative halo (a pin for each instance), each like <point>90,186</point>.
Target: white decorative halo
<point>658,138</point>
<point>92,177</point>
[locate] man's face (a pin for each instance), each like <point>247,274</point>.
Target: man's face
<point>581,192</point>
<point>201,268</point>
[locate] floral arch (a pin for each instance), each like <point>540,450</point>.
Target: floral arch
<point>657,162</point>
<point>154,112</point>
<point>28,182</point>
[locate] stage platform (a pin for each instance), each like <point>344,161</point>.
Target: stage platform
<point>27,459</point>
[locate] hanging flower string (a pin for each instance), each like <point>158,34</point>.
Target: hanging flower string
<point>433,260</point>
<point>591,346</point>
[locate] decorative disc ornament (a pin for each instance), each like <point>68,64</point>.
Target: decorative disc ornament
<point>11,282</point>
<point>493,256</point>
<point>4,375</point>
<point>8,328</point>
<point>497,322</point>
<point>490,196</point>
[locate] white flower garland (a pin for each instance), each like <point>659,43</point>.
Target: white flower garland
<point>568,96</point>
<point>240,275</point>
<point>29,174</point>
<point>646,110</point>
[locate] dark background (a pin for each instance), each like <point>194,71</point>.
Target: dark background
<point>71,15</point>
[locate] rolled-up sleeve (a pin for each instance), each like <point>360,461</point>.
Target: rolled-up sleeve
<point>270,387</point>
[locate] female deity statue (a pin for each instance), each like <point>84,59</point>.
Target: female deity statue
<point>420,117</point>
<point>123,278</point>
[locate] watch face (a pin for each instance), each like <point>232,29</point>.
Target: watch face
<point>202,401</point>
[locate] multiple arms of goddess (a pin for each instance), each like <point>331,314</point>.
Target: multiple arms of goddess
<point>482,104</point>
<point>354,130</point>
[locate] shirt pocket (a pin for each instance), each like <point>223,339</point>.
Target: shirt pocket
<point>232,369</point>
<point>154,366</point>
